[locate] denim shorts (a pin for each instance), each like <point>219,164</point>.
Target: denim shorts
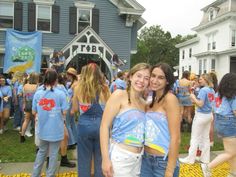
<point>155,166</point>
<point>185,101</point>
<point>225,126</point>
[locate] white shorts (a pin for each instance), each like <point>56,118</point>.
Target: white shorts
<point>124,162</point>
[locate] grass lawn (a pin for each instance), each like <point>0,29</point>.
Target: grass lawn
<point>11,150</point>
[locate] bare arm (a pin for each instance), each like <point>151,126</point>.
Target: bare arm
<point>173,115</point>
<point>75,106</point>
<point>198,102</point>
<point>111,110</point>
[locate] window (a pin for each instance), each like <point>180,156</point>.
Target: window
<point>182,69</point>
<point>211,15</point>
<point>6,15</point>
<point>189,68</point>
<point>190,53</point>
<point>213,64</point>
<point>211,43</point>
<point>183,53</point>
<point>200,67</point>
<point>233,38</point>
<point>205,66</point>
<point>84,19</point>
<point>44,18</point>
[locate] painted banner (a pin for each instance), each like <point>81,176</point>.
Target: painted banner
<point>23,51</point>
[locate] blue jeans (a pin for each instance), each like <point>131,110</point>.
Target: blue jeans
<point>44,148</point>
<point>18,115</point>
<point>155,166</point>
<point>225,125</point>
<point>71,127</point>
<point>88,144</point>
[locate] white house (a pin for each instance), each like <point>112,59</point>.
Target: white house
<point>214,48</point>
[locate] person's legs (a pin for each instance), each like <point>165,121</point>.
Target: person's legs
<point>229,153</point>
<point>24,126</point>
<point>53,152</point>
<point>6,115</point>
<point>63,145</point>
<point>41,155</point>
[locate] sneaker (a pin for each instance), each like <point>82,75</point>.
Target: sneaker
<point>205,170</point>
<point>28,134</point>
<point>17,128</point>
<point>185,160</point>
<point>1,131</point>
<point>66,163</point>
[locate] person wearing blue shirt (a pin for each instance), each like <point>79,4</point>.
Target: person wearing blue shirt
<point>1,109</point>
<point>201,122</point>
<point>162,127</point>
<point>122,127</point>
<point>225,124</point>
<point>6,90</point>
<point>50,105</point>
<point>119,83</point>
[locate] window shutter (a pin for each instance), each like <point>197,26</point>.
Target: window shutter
<point>18,16</point>
<point>95,20</point>
<point>73,20</point>
<point>55,19</point>
<point>31,16</point>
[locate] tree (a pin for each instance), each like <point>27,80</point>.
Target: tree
<point>155,45</point>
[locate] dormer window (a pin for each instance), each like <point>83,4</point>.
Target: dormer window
<point>212,12</point>
<point>6,15</point>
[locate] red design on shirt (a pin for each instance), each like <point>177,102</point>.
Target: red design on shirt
<point>218,101</point>
<point>47,104</point>
<point>84,108</point>
<point>210,97</point>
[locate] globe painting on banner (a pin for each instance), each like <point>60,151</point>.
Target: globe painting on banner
<point>23,51</point>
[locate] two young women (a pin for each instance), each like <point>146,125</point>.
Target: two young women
<point>128,124</point>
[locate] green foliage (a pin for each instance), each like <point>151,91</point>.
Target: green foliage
<point>155,45</point>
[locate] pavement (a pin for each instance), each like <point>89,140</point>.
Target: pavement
<point>25,169</point>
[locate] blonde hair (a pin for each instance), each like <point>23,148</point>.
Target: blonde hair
<point>133,70</point>
<point>208,79</point>
<point>91,84</point>
<point>18,76</point>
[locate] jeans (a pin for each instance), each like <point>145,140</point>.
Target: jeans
<point>71,127</point>
<point>124,162</point>
<point>44,148</point>
<point>18,113</point>
<point>155,166</point>
<point>225,126</point>
<point>88,142</point>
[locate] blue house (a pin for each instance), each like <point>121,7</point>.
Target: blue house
<point>92,30</point>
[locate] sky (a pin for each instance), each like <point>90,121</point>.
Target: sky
<point>175,16</point>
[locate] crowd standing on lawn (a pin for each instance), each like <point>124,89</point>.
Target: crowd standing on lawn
<point>139,123</point>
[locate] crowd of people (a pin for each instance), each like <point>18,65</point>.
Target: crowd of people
<point>129,127</point>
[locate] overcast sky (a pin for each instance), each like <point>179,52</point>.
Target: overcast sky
<point>175,16</point>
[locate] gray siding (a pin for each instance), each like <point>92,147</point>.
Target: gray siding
<point>134,37</point>
<point>112,29</point>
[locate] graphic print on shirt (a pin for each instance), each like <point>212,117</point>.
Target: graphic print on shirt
<point>218,101</point>
<point>210,97</point>
<point>136,135</point>
<point>47,104</point>
<point>84,108</point>
<point>152,132</point>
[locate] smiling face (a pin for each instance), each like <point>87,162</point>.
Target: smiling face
<point>140,80</point>
<point>158,80</point>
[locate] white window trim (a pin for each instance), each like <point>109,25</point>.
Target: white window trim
<point>8,2</point>
<point>36,23</point>
<point>44,2</point>
<point>78,9</point>
<point>84,5</point>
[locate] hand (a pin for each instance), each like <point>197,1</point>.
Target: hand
<point>5,99</point>
<point>107,168</point>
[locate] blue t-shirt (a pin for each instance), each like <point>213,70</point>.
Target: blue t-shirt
<point>19,89</point>
<point>6,90</point>
<point>224,106</point>
<point>206,94</point>
<point>1,102</point>
<point>117,84</point>
<point>49,106</point>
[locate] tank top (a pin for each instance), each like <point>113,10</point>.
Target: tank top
<point>157,135</point>
<point>128,128</point>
